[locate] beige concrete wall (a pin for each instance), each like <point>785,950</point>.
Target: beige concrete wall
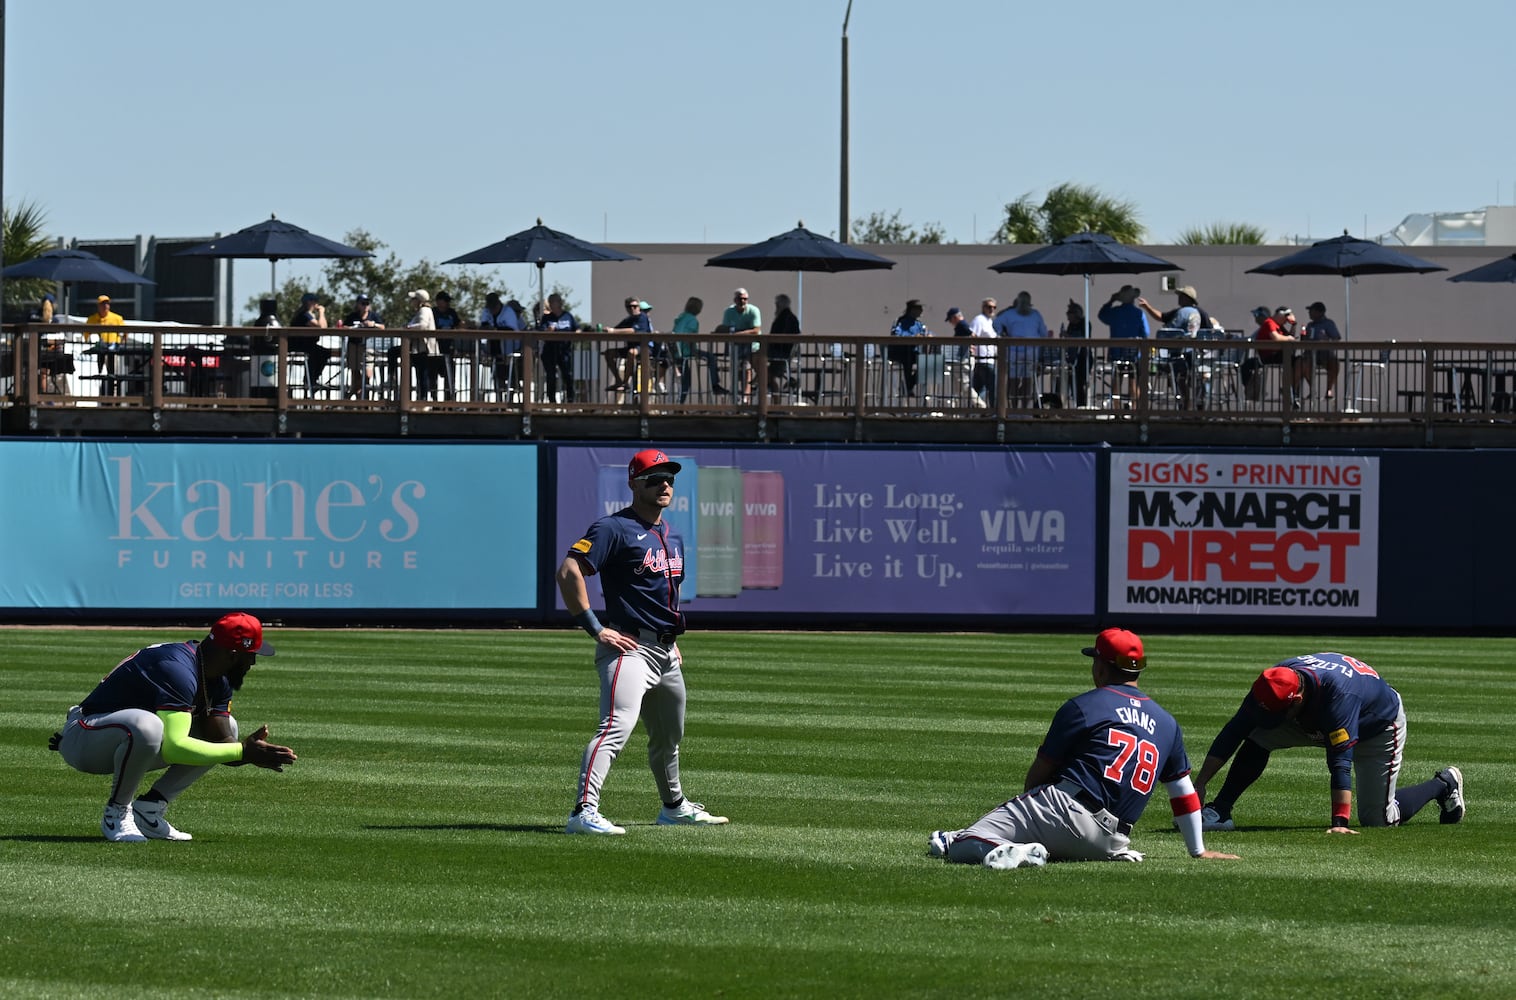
<point>1384,307</point>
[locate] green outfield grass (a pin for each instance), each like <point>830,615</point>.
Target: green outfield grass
<point>417,850</point>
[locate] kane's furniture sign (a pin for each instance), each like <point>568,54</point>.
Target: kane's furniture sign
<point>1270,535</point>
<point>267,525</point>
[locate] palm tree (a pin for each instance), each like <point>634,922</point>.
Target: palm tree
<point>22,231</point>
<point>1223,234</point>
<point>1068,209</point>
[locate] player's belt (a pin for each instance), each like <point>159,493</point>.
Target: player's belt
<point>650,636</point>
<point>1094,805</point>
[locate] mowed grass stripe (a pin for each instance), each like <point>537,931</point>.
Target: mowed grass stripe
<point>415,849</point>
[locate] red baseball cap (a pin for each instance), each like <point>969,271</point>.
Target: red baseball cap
<point>1120,647</point>
<point>648,459</point>
<point>1277,688</point>
<point>241,633</point>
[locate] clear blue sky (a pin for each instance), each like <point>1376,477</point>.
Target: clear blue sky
<point>443,126</point>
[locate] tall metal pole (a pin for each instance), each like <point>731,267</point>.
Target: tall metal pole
<point>843,223</point>
<point>2,147</point>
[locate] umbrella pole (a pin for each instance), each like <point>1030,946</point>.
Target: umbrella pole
<point>273,286</point>
<point>1089,329</point>
<point>1350,387</point>
<point>542,305</point>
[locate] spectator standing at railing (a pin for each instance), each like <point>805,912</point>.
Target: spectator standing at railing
<point>447,318</point>
<point>558,355</point>
<point>961,353</point>
<point>745,318</point>
<point>908,356</point>
<point>103,316</point>
<point>1322,330</point>
<point>1021,320</point>
<point>1186,320</point>
<point>311,314</point>
<point>360,373</point>
<point>785,323</point>
<point>981,378</point>
<point>1127,322</point>
<point>423,348</point>
<point>1077,326</point>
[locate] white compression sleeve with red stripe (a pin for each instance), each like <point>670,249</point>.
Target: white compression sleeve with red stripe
<point>1186,806</point>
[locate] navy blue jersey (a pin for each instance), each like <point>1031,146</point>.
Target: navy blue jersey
<point>1345,699</point>
<point>563,321</point>
<point>1117,744</point>
<point>640,569</point>
<point>160,678</point>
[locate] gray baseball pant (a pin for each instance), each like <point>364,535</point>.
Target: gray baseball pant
<point>1051,817</point>
<point>126,744</point>
<point>1376,763</point>
<point>646,682</point>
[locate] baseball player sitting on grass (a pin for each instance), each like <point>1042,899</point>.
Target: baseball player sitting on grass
<point>1098,764</point>
<point>167,706</point>
<point>1341,704</point>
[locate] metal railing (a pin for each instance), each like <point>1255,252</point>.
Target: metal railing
<point>195,368</point>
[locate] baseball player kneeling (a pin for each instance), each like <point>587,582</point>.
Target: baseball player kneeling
<point>1098,764</point>
<point>1340,704</point>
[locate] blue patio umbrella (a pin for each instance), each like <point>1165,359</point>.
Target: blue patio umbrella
<point>273,240</point>
<point>1495,272</point>
<point>1350,257</point>
<point>73,266</point>
<point>800,250</point>
<point>70,267</point>
<point>1086,254</point>
<point>541,246</point>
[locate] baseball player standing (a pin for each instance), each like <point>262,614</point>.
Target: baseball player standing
<point>1102,756</point>
<point>1341,704</point>
<point>167,706</point>
<point>636,651</point>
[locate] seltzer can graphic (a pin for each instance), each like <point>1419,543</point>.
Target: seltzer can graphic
<point>762,530</point>
<point>718,526</point>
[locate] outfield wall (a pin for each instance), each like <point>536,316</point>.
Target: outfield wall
<point>467,532</point>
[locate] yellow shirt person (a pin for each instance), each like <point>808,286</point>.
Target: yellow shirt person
<point>104,317</point>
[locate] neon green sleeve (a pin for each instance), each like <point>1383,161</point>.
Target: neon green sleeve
<point>179,747</point>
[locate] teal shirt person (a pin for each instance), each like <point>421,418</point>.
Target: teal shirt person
<point>688,323</point>
<point>747,317</point>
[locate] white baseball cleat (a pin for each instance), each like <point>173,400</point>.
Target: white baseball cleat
<point>119,826</point>
<point>589,820</point>
<point>152,824</point>
<point>1452,803</point>
<point>688,813</point>
<point>938,843</point>
<point>1016,856</point>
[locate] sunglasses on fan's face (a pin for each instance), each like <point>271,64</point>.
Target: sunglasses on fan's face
<point>656,479</point>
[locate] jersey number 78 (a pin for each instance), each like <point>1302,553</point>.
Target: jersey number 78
<point>1129,746</point>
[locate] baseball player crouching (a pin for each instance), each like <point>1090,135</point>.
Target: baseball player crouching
<point>640,565</point>
<point>1341,704</point>
<point>1092,777</point>
<point>167,706</point>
